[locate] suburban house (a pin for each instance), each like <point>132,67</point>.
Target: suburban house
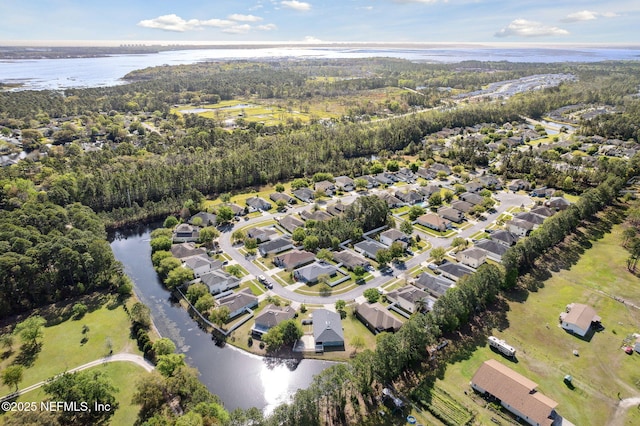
<point>336,209</point>
<point>451,214</point>
<point>435,285</point>
<point>520,227</point>
<point>409,298</point>
<point>205,219</point>
<point>557,203</point>
<point>271,316</point>
<point>472,198</point>
<point>409,197</point>
<point>304,194</point>
<point>318,215</point>
<point>490,181</point>
<point>377,318</point>
<point>505,238</point>
<point>219,281</point>
<point>392,235</point>
<point>433,221</point>
<point>539,192</point>
<point>236,209</point>
<point>518,185</point>
<point>201,264</point>
<point>325,186</point>
<point>384,179</point>
<point>454,271</point>
<point>239,302</point>
<point>578,318</point>
<point>371,181</point>
<point>345,183</point>
<point>437,167</point>
<point>392,201</point>
<point>472,256</point>
<point>277,196</point>
<point>515,392</point>
<point>463,206</point>
<point>530,217</point>
<point>311,273</point>
<point>327,330</point>
<point>185,233</point>
<point>290,223</point>
<point>426,173</point>
<point>294,259</point>
<point>258,204</point>
<point>543,211</point>
<point>405,175</point>
<point>350,260</point>
<point>181,251</point>
<point>262,234</point>
<point>368,248</point>
<point>428,190</point>
<point>473,187</point>
<point>494,249</point>
<point>275,246</point>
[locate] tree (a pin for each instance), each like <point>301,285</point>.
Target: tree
<point>299,183</point>
<point>160,243</point>
<point>357,342</point>
<point>207,235</point>
<point>406,227</point>
<point>6,340</point>
<point>311,243</point>
<point>438,254</point>
<point>167,265</point>
<point>220,316</point>
<point>12,375</point>
<point>91,387</point>
<point>225,197</point>
<point>415,212</point>
<point>205,302</point>
<point>149,394</point>
<point>170,222</point>
<point>30,330</point>
<point>396,250</point>
<point>196,291</point>
<point>458,242</point>
<point>178,276</point>
<point>383,256</point>
<point>371,294</point>
<point>225,214</point>
<point>238,235</point>
<point>299,234</point>
<point>360,183</point>
<point>167,364</point>
<point>448,195</point>
<point>140,314</point>
<point>163,346</point>
<point>324,254</point>
<point>279,187</point>
<point>435,200</point>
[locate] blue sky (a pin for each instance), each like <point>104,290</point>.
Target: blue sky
<point>486,21</point>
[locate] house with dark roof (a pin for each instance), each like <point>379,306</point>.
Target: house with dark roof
<point>258,204</point>
<point>236,209</point>
<point>371,181</point>
<point>409,298</point>
<point>472,256</point>
<point>405,175</point>
<point>325,186</point>
<point>472,198</point>
<point>433,221</point>
<point>530,217</point>
<point>277,196</point>
<point>275,246</point>
<point>262,234</point>
<point>219,281</point>
<point>542,211</point>
<point>336,209</point>
<point>520,227</point>
<point>392,201</point>
<point>384,179</point>
<point>327,330</point>
<point>392,235</point>
<point>345,183</point>
<point>271,316</point>
<point>205,219</point>
<point>428,190</point>
<point>473,187</point>
<point>454,271</point>
<point>368,248</point>
<point>435,285</point>
<point>514,392</point>
<point>409,197</point>
<point>377,318</point>
<point>578,318</point>
<point>294,259</point>
<point>239,302</point>
<point>490,181</point>
<point>201,264</point>
<point>518,185</point>
<point>311,273</point>
<point>451,214</point>
<point>437,167</point>
<point>304,194</point>
<point>426,173</point>
<point>494,249</point>
<point>505,237</point>
<point>290,223</point>
<point>185,233</point>
<point>350,260</point>
<point>463,206</point>
<point>318,215</point>
<point>557,203</point>
<point>181,251</point>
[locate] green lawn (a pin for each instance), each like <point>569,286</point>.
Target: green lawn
<point>602,371</point>
<point>62,347</point>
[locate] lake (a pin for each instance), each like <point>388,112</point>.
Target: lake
<point>240,379</point>
<point>55,74</point>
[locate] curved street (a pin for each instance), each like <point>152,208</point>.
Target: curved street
<point>506,199</point>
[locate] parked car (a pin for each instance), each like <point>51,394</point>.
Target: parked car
<point>262,278</point>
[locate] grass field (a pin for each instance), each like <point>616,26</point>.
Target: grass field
<point>602,372</point>
<point>62,347</point>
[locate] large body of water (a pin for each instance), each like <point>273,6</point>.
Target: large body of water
<point>238,378</point>
<point>56,74</point>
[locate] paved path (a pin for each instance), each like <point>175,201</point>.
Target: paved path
<point>507,200</point>
<point>618,417</point>
<point>121,357</point>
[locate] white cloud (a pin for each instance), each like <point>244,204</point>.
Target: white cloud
<point>312,39</point>
<point>175,23</point>
<point>296,5</point>
<point>244,18</point>
<point>525,28</point>
<point>267,27</point>
<point>587,15</point>
<point>238,29</point>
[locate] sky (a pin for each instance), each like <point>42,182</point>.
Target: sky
<point>321,21</point>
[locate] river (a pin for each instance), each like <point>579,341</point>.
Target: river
<point>240,379</point>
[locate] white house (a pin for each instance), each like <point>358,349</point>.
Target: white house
<point>473,257</point>
<point>578,318</point>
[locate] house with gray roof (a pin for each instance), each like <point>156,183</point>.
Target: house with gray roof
<point>435,285</point>
<point>392,200</point>
<point>275,246</point>
<point>472,198</point>
<point>473,187</point>
<point>201,264</point>
<point>219,281</point>
<point>377,318</point>
<point>271,316</point>
<point>350,260</point>
<point>325,186</point>
<point>505,237</point>
<point>433,221</point>
<point>304,194</point>
<point>185,233</point>
<point>205,219</point>
<point>409,298</point>
<point>530,217</point>
<point>490,181</point>
<point>369,248</point>
<point>520,227</point>
<point>258,204</point>
<point>262,234</point>
<point>327,330</point>
<point>451,214</point>
<point>290,223</point>
<point>542,211</point>
<point>345,183</point>
<point>183,250</point>
<point>310,274</point>
<point>518,185</point>
<point>336,209</point>
<point>409,197</point>
<point>557,203</point>
<point>294,259</point>
<point>318,215</point>
<point>472,256</point>
<point>392,235</point>
<point>463,206</point>
<point>454,271</point>
<point>494,249</point>
<point>277,196</point>
<point>239,302</point>
<point>428,190</point>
